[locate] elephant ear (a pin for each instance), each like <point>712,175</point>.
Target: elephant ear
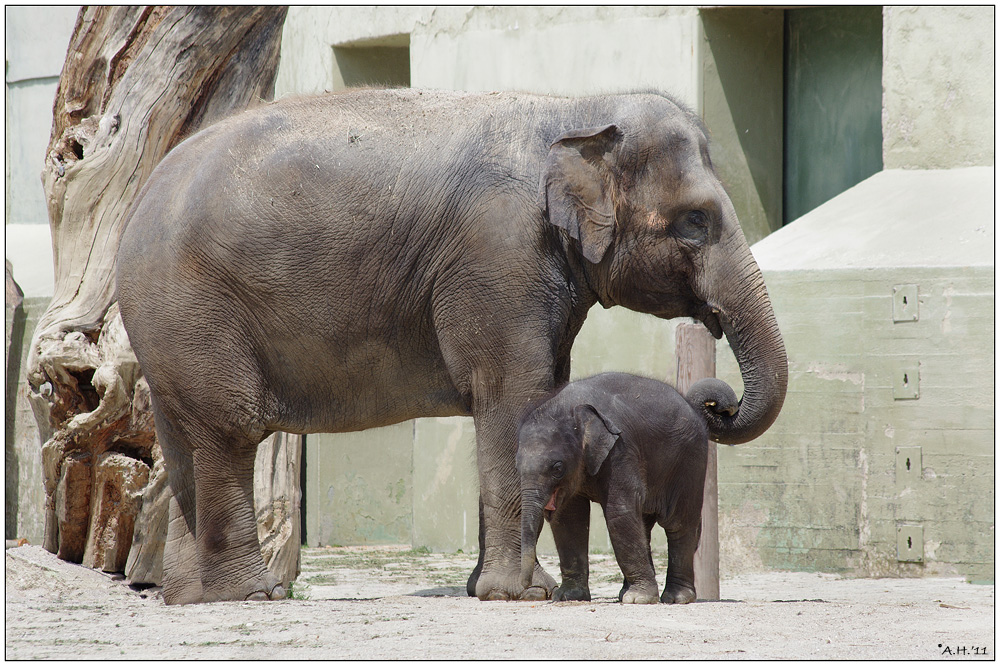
<point>599,434</point>
<point>576,188</point>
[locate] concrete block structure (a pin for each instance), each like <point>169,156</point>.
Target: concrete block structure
<point>881,462</point>
<point>36,40</point>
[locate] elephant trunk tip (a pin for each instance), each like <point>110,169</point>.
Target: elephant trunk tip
<point>526,577</point>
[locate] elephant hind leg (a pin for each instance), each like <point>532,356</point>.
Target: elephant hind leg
<point>681,546</point>
<point>212,551</point>
<point>181,571</point>
<point>232,568</point>
<point>470,586</point>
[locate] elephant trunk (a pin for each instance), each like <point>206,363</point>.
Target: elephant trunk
<point>532,517</point>
<point>746,317</point>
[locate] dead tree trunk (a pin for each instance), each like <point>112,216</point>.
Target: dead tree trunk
<point>136,81</point>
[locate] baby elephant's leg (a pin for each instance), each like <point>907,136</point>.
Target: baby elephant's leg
<point>630,541</point>
<point>650,522</point>
<point>571,532</point>
<point>681,546</point>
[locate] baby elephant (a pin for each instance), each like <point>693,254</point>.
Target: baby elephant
<point>639,449</point>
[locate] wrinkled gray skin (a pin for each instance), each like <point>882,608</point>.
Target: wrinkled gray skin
<point>353,260</point>
<point>637,448</point>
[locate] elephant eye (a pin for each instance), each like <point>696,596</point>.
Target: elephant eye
<point>557,469</point>
<point>692,225</point>
<point>696,218</point>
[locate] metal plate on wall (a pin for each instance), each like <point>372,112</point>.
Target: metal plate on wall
<point>908,466</point>
<point>906,379</point>
<point>905,306</point>
<point>910,543</point>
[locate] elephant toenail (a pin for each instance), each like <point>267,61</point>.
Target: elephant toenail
<point>534,594</point>
<point>256,596</point>
<point>498,595</point>
<point>277,593</point>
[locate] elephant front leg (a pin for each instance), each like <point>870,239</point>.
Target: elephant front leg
<point>630,541</point>
<point>500,494</point>
<point>571,531</point>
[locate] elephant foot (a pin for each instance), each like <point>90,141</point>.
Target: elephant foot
<point>265,587</point>
<point>678,594</point>
<point>534,594</point>
<point>470,586</point>
<point>178,593</point>
<point>498,584</point>
<point>277,593</point>
<point>569,592</point>
<point>639,594</point>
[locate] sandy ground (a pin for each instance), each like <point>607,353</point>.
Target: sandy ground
<point>393,603</point>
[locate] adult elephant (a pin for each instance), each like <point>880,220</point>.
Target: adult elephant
<point>341,262</point>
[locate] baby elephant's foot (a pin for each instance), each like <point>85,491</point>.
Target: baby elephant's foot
<point>639,594</point>
<point>678,594</point>
<point>570,592</point>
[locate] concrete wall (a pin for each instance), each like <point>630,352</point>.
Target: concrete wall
<point>742,107</point>
<point>24,491</point>
<point>35,40</point>
<point>568,50</point>
<point>938,82</point>
<point>827,487</point>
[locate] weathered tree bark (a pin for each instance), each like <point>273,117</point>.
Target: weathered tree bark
<point>695,351</point>
<point>136,82</point>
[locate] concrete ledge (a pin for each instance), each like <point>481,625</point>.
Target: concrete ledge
<point>897,218</point>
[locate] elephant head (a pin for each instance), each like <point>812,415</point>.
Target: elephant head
<point>554,455</point>
<point>658,234</point>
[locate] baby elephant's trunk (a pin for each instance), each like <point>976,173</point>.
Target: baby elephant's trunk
<point>531,527</point>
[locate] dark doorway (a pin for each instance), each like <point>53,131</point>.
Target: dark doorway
<point>833,103</point>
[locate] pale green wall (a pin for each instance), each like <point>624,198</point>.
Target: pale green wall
<point>372,65</point>
<point>359,486</point>
<point>938,82</point>
<point>559,50</point>
<point>35,40</point>
<point>742,93</point>
<point>570,50</point>
<point>24,492</point>
<point>821,490</point>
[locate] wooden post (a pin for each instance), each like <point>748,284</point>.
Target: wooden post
<point>695,351</point>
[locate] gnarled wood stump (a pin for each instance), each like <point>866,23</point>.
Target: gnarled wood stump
<point>136,81</point>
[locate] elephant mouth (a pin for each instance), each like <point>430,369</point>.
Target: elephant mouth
<point>709,316</point>
<point>551,507</point>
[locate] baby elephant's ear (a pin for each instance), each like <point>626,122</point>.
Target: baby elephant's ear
<point>598,435</point>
